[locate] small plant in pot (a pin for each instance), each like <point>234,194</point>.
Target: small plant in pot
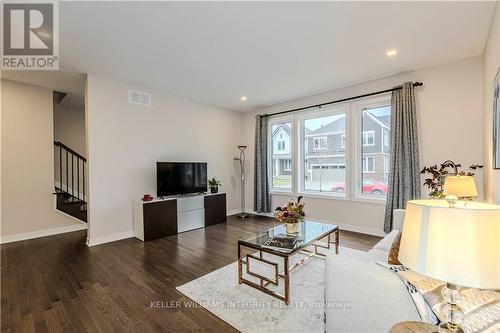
<point>438,173</point>
<point>291,214</point>
<point>214,185</point>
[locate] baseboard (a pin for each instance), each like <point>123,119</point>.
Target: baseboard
<point>233,212</point>
<point>342,226</point>
<point>110,238</point>
<point>126,234</point>
<point>42,233</point>
<point>362,230</point>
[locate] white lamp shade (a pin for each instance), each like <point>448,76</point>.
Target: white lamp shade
<point>461,186</point>
<point>458,245</point>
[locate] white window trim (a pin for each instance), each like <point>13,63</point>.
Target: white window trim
<point>341,108</point>
<point>287,166</point>
<point>356,151</point>
<point>320,138</point>
<point>284,145</point>
<point>386,143</point>
<point>366,159</point>
<point>365,133</point>
<point>386,163</point>
<point>343,141</point>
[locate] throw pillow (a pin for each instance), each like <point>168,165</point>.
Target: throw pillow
<point>423,309</point>
<point>481,307</point>
<point>394,251</point>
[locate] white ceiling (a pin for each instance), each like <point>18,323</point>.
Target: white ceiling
<point>214,52</point>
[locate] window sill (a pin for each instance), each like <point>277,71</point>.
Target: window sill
<point>367,200</point>
<point>375,201</point>
<point>280,192</point>
<point>324,196</point>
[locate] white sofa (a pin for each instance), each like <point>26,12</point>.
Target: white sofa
<point>362,296</point>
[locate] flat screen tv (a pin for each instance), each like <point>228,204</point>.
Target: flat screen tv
<point>173,178</point>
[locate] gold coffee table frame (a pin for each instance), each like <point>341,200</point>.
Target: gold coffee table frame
<point>285,274</point>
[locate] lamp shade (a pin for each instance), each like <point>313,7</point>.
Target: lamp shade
<point>459,245</point>
<point>461,186</point>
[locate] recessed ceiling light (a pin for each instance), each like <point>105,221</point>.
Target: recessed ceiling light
<point>243,98</point>
<point>392,53</point>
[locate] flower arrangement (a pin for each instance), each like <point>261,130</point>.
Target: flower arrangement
<point>436,183</point>
<point>290,213</point>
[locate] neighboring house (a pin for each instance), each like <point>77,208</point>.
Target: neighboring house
<point>326,150</point>
<point>282,158</point>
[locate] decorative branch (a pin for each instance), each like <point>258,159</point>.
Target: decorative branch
<point>439,173</point>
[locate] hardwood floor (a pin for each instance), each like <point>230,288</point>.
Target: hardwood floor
<point>58,284</point>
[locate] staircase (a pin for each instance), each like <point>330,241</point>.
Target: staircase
<point>69,181</point>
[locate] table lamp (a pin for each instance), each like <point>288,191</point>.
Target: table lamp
<point>463,187</point>
<point>459,245</point>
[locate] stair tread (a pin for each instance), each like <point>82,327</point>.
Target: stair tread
<point>70,205</point>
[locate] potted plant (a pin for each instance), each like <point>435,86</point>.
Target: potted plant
<point>291,214</point>
<point>214,185</point>
<point>439,173</point>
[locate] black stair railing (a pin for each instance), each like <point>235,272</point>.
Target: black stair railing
<point>70,174</point>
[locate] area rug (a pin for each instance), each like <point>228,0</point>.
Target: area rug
<point>250,310</point>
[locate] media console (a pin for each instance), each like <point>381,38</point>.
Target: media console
<point>166,217</point>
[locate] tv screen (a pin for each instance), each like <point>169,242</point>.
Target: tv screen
<point>174,178</point>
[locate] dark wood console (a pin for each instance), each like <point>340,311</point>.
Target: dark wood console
<point>160,219</point>
<point>166,217</point>
<point>215,209</point>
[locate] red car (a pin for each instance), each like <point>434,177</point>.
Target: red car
<point>369,186</point>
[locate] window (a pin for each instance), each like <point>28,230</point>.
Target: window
<point>374,152</point>
<point>287,165</point>
<point>281,158</point>
<point>320,143</point>
<point>368,138</point>
<point>387,139</point>
<point>368,164</point>
<point>323,167</point>
<point>310,152</point>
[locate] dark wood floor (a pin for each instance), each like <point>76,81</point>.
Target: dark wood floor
<point>59,284</point>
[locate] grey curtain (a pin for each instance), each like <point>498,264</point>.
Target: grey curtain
<point>404,171</point>
<point>262,197</point>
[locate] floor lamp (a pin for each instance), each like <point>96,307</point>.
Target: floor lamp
<point>241,159</point>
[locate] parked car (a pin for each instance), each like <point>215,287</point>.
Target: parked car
<point>369,186</point>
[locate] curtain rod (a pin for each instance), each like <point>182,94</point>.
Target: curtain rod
<point>416,84</point>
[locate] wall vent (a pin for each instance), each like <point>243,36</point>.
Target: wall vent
<point>139,98</point>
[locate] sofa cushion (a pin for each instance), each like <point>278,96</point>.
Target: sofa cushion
<point>386,242</point>
<point>376,255</point>
<point>362,296</point>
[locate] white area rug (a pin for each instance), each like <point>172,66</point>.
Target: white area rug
<point>250,310</point>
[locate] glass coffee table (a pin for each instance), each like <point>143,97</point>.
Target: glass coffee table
<point>311,234</point>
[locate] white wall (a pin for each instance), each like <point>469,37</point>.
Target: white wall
<point>491,64</point>
<point>69,127</point>
<point>125,141</point>
<point>451,127</point>
<point>27,170</point>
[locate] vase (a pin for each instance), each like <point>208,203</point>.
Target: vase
<point>214,189</point>
<point>292,228</point>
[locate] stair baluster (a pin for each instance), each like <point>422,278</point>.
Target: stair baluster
<point>68,199</point>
